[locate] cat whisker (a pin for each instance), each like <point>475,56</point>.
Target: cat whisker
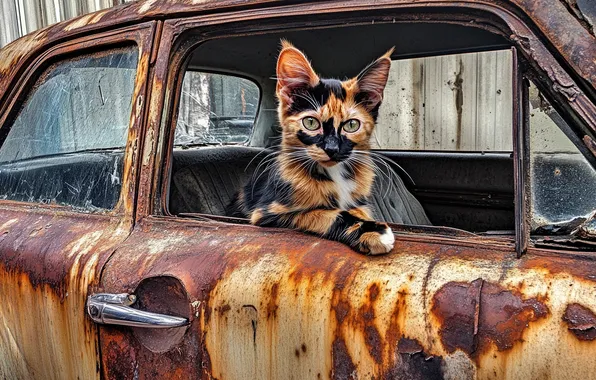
<point>257,155</point>
<point>388,162</point>
<point>310,100</point>
<point>371,164</point>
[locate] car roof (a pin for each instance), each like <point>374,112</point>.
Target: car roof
<point>563,31</point>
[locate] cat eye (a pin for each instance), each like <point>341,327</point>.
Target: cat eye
<point>311,123</point>
<point>352,125</point>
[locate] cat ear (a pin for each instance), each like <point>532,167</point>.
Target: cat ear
<point>372,81</point>
<point>293,72</point>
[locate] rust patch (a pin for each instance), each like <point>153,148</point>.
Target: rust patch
<point>343,366</point>
<point>590,144</point>
<point>164,295</point>
<point>372,337</point>
<point>272,305</point>
<point>13,52</point>
<point>413,363</point>
<point>583,268</point>
<point>85,20</point>
<point>581,321</point>
<point>474,316</point>
<point>409,346</point>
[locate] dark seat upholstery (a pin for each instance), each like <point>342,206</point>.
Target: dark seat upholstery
<point>204,180</point>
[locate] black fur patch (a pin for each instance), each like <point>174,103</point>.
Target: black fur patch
<point>268,188</point>
<point>349,173</point>
<point>313,97</point>
<point>362,98</point>
<point>307,139</point>
<point>318,175</point>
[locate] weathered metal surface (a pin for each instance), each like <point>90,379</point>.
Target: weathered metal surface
<point>48,259</point>
<point>476,315</point>
<point>18,17</point>
<point>581,321</point>
<point>269,303</point>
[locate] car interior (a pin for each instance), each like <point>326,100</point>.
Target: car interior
<point>469,190</point>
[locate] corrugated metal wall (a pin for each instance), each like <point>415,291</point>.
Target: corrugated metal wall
<point>19,17</point>
<point>458,102</point>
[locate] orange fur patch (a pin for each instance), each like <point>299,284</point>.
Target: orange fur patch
<point>317,221</point>
<point>256,216</point>
<point>278,208</point>
<point>353,228</point>
<point>362,212</point>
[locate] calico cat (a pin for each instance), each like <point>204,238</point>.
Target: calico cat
<point>320,179</point>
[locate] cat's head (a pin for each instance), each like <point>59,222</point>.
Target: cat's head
<point>327,118</point>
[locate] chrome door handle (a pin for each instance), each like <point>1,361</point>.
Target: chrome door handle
<point>114,309</point>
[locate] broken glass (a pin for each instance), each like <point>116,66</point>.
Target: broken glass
<point>562,180</point>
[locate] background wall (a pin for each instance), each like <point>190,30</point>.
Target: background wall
<point>19,17</point>
<point>458,102</point>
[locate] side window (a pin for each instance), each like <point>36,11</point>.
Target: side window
<point>562,180</point>
<point>66,144</point>
<point>216,109</point>
<point>455,102</point>
<point>439,116</point>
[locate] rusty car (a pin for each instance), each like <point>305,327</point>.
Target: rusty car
<point>125,132</point>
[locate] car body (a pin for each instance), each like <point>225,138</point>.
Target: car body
<point>273,303</point>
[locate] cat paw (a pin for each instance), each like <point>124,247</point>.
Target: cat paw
<point>377,242</point>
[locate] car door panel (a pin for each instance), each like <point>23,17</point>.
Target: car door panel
<point>48,261</point>
<point>276,304</point>
<point>52,254</point>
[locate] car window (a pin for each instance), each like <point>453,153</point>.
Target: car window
<point>65,145</point>
<point>455,102</point>
<point>459,88</point>
<point>216,109</point>
<point>562,180</point>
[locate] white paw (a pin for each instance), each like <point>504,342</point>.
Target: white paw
<point>385,240</point>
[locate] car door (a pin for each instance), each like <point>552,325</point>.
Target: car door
<point>70,134</point>
<point>218,298</point>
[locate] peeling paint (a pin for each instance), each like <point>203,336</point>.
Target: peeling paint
<point>85,20</point>
<point>581,321</point>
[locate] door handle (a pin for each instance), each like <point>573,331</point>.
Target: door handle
<point>114,309</point>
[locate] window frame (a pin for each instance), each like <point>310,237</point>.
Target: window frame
<point>141,36</point>
<point>531,52</point>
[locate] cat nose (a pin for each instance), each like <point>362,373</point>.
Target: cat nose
<point>332,149</point>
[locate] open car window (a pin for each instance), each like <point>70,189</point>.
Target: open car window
<point>443,140</point>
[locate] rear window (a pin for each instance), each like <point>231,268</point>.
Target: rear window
<point>216,109</point>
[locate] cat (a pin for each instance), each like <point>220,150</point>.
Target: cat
<point>320,178</point>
